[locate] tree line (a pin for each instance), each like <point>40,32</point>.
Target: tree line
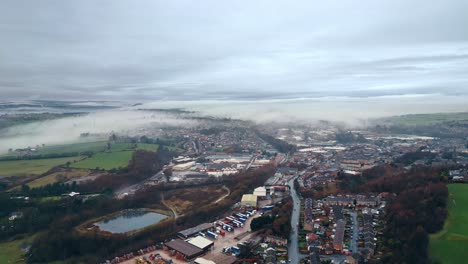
<point>416,207</point>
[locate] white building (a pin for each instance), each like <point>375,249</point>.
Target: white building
<point>260,192</point>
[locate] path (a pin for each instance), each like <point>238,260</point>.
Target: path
<point>174,212</point>
<point>224,196</point>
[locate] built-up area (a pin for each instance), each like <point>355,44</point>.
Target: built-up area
<point>334,225</point>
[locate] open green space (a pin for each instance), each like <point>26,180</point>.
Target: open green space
<point>122,147</point>
<point>450,244</point>
<point>148,147</point>
<point>105,160</point>
<point>11,252</point>
<point>32,167</point>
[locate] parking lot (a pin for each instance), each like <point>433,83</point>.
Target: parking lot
<point>230,239</point>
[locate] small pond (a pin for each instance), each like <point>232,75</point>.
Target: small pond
<point>130,220</point>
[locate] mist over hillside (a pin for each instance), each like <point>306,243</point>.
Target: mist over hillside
<point>100,124</point>
<point>351,111</point>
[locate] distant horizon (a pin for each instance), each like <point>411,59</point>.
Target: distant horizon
<point>350,110</point>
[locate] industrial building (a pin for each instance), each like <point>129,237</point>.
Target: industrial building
<point>184,234</point>
<point>184,166</point>
<point>249,200</point>
<point>187,250</point>
<point>201,242</point>
<point>260,192</point>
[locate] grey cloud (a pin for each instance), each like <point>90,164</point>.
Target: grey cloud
<point>184,50</point>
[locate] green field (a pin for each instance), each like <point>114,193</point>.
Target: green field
<point>10,252</point>
<point>31,167</point>
<point>148,147</point>
<point>105,160</point>
<point>450,245</point>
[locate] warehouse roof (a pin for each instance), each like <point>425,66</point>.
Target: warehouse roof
<point>185,248</point>
<point>200,242</point>
<point>249,198</point>
<point>194,230</point>
<point>223,259</point>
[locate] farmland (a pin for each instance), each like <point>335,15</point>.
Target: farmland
<point>32,167</point>
<point>450,244</point>
<point>148,147</point>
<point>105,160</point>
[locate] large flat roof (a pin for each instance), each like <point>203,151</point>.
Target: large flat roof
<point>200,242</point>
<point>249,198</point>
<point>185,248</point>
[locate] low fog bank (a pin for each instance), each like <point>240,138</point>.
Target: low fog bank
<point>68,130</point>
<point>350,111</point>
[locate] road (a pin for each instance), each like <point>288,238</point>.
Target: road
<point>194,144</point>
<point>254,157</point>
<point>355,238</point>
<point>293,246</point>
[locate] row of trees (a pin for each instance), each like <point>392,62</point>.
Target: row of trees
<point>278,222</point>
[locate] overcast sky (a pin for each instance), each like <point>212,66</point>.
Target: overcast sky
<point>232,50</point>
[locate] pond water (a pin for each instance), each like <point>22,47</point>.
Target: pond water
<point>129,221</point>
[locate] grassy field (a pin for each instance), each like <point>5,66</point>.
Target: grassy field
<point>148,147</point>
<point>31,167</point>
<point>10,252</point>
<point>105,160</point>
<point>450,244</point>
